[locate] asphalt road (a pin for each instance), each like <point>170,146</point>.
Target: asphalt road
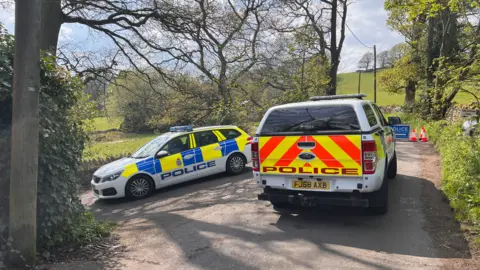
<point>217,223</point>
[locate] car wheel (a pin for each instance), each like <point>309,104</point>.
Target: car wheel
<point>236,164</point>
<point>392,169</point>
<point>379,200</point>
<point>139,187</point>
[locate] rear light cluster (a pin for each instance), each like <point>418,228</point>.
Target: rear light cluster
<point>249,140</point>
<point>369,154</point>
<point>255,157</point>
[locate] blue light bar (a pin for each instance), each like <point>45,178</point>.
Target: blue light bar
<point>181,129</point>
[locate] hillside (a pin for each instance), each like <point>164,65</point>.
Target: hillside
<point>348,84</point>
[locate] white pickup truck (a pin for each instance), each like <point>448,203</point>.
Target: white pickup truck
<point>335,150</point>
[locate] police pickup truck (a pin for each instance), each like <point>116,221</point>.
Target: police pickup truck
<point>334,150</point>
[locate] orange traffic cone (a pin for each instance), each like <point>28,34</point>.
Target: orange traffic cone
<point>413,135</point>
<point>423,135</point>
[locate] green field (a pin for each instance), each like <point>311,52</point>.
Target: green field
<point>348,84</point>
<point>121,145</point>
<point>106,123</point>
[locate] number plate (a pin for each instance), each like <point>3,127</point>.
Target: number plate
<point>303,184</point>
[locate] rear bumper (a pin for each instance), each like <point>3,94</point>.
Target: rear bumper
<point>345,199</point>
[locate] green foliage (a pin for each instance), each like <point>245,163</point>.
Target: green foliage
<point>395,80</point>
<point>63,109</point>
<point>460,168</point>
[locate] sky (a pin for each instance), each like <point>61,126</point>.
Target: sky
<point>366,18</point>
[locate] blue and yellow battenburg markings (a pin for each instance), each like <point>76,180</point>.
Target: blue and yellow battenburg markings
<point>173,164</point>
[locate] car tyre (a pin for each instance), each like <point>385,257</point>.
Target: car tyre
<point>139,187</point>
<point>379,200</point>
<point>392,169</point>
<point>236,164</point>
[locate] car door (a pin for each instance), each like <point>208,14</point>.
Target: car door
<point>179,165</point>
<point>208,153</point>
<point>388,131</point>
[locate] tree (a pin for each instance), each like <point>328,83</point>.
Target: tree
<point>382,59</point>
<point>449,53</point>
<point>327,19</point>
<point>366,61</point>
<point>396,53</point>
<point>404,76</point>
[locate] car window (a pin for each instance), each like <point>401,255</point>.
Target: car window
<point>151,147</point>
<point>372,120</point>
<point>380,115</point>
<point>205,138</point>
<point>311,120</point>
<point>177,145</point>
<point>230,133</point>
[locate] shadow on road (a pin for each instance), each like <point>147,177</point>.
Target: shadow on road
<point>410,227</point>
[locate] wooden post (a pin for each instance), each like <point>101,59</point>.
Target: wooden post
<point>375,73</point>
<point>25,133</point>
<point>359,79</point>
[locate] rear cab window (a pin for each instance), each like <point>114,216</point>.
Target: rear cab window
<point>372,119</point>
<point>312,120</point>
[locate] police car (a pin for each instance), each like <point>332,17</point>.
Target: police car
<point>181,155</point>
<point>336,150</point>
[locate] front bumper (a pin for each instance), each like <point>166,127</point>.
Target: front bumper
<point>315,198</point>
<point>110,190</point>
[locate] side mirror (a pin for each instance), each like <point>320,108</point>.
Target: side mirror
<point>161,154</point>
<point>394,120</point>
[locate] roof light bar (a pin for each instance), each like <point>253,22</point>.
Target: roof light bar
<point>181,129</point>
<point>358,96</point>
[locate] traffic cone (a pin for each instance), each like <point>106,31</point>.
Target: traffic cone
<point>413,135</point>
<point>423,136</point>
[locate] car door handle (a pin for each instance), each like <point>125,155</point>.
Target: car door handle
<point>217,148</point>
<point>189,156</point>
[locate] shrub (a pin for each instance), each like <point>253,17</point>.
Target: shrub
<point>460,168</point>
<point>61,218</point>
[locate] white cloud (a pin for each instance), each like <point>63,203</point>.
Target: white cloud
<point>368,20</point>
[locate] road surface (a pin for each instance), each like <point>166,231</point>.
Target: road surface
<point>217,223</point>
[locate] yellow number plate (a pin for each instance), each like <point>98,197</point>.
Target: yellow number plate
<point>302,184</point>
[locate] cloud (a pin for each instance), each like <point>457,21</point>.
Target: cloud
<point>368,20</point>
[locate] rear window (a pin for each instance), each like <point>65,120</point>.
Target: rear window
<point>230,133</point>
<point>311,120</point>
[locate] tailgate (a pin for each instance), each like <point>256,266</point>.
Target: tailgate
<point>311,155</point>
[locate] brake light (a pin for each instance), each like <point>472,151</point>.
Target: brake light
<point>249,140</point>
<point>255,158</point>
<point>369,155</point>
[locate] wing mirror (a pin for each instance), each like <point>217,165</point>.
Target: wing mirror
<point>394,120</point>
<point>161,154</point>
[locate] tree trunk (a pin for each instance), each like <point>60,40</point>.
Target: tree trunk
<point>430,33</point>
<point>332,89</point>
<point>52,20</point>
<point>410,91</point>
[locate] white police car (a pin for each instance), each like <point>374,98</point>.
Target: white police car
<point>181,155</point>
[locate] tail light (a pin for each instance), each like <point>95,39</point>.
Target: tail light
<point>255,158</point>
<point>249,140</point>
<point>369,154</point>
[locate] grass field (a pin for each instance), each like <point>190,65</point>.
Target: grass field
<point>106,123</point>
<point>120,145</point>
<point>348,84</point>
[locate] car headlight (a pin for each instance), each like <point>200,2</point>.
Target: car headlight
<point>112,177</point>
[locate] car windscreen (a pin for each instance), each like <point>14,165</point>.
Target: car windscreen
<point>321,119</point>
<point>152,146</point>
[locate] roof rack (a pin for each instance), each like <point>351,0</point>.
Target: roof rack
<point>358,96</point>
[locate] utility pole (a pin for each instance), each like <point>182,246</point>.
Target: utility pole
<point>25,134</point>
<point>375,73</point>
<point>359,78</point>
